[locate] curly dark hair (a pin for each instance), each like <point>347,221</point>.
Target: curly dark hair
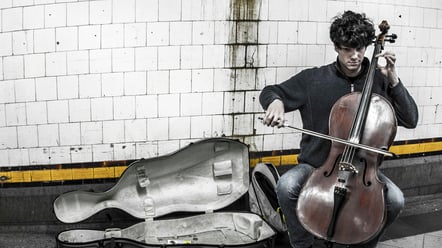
<point>352,30</point>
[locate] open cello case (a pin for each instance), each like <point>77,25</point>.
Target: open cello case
<point>201,178</point>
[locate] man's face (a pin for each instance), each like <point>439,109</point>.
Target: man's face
<point>350,59</point>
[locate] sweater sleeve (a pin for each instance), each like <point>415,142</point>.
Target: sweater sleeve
<point>290,92</point>
<point>404,106</point>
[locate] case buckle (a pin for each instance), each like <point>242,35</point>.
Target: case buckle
<point>143,179</point>
<point>112,233</point>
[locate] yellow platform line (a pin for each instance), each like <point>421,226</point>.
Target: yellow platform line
<point>111,172</point>
<point>69,174</point>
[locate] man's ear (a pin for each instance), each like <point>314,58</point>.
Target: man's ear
<point>336,48</point>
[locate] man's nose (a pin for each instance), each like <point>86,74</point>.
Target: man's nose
<point>354,53</point>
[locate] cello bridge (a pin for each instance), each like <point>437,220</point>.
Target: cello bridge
<point>344,166</point>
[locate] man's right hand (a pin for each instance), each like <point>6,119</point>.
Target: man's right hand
<point>275,115</point>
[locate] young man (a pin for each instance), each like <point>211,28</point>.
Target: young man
<point>313,92</point>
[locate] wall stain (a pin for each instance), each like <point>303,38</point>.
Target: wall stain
<point>243,57</point>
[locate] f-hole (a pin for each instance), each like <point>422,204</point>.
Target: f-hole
<point>367,183</point>
<point>338,158</point>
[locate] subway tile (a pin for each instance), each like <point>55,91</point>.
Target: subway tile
<point>202,80</point>
<point>222,125</point>
<point>252,102</point>
<point>112,84</point>
<point>36,113</point>
<point>100,12</point>
<point>81,154</point>
<point>69,134</point>
<point>33,17</point>
<point>55,15</point>
<point>113,131</point>
<point>245,79</point>
<point>79,110</point>
<point>180,33</point>
<point>24,90</point>
<point>213,56</point>
<point>247,32</point>
<point>135,35</point>
<point>169,105</point>
<point>13,67</point>
<point>223,80</point>
<point>146,106</point>
<point>243,124</point>
<point>146,149</point>
<point>46,88</point>
<point>77,14</point>
<point>169,58</point>
<point>56,64</point>
<point>123,59</point>
<point>67,87</point>
<point>89,85</point>
<point>100,60</point>
<point>48,135</point>
<point>23,42</point>
<point>180,81</point>
<point>66,38</point>
<point>89,37</point>
<point>6,41</point>
<point>157,33</point>
<point>200,127</point>
<point>146,10</point>
<point>102,109</point>
<point>315,12</point>
<point>212,103</point>
<point>179,128</point>
<point>15,114</point>
<point>203,33</point>
<point>157,82</point>
<point>135,83</point>
<point>112,35</point>
<point>192,10</point>
<point>279,10</point>
<point>77,62</point>
<point>38,156</point>
<point>91,133</point>
<point>191,104</point>
<point>102,152</point>
<point>18,157</point>
<point>146,58</point>
<point>59,155</point>
<point>58,111</point>
<point>135,130</point>
<point>157,129</point>
<point>124,107</point>
<point>191,57</point>
<point>169,10</point>
<point>124,151</point>
<point>12,19</point>
<point>123,11</point>
<point>8,135</point>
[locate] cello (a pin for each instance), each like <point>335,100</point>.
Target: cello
<point>343,200</point>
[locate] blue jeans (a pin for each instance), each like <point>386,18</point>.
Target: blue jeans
<point>289,187</point>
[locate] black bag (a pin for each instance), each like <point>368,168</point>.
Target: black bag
<point>262,195</point>
<point>201,178</point>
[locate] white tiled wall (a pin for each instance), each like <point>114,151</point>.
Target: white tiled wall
<point>98,80</point>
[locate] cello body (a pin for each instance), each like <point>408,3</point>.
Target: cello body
<point>362,213</point>
<point>343,200</point>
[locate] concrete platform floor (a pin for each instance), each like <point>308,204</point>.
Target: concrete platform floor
<point>419,226</point>
<point>414,231</point>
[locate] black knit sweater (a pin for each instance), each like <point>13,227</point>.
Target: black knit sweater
<point>314,91</point>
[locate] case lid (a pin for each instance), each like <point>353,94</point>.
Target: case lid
<point>202,177</point>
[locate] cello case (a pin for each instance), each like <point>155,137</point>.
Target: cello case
<point>200,178</point>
